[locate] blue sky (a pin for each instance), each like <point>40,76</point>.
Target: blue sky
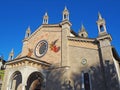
<point>17,15</point>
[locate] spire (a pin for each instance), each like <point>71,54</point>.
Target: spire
<point>65,14</point>
<point>65,9</point>
<point>28,28</point>
<point>101,25</point>
<point>99,16</point>
<point>11,55</point>
<point>83,32</point>
<point>45,18</point>
<point>28,32</point>
<point>82,28</point>
<point>46,14</point>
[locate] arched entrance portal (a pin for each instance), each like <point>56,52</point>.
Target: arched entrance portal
<point>16,80</point>
<point>34,81</point>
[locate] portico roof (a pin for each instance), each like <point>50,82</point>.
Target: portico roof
<point>26,58</point>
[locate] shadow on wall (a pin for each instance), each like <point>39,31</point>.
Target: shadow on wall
<point>100,80</point>
<point>54,79</point>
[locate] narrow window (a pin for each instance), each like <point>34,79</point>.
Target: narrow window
<point>65,16</point>
<point>86,81</point>
<point>28,34</point>
<point>11,57</point>
<point>44,21</point>
<point>101,28</point>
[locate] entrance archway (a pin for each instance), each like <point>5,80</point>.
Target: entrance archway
<point>15,81</point>
<point>35,81</point>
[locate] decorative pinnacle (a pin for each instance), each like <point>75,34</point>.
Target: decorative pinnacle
<point>82,28</point>
<point>65,8</point>
<point>28,29</point>
<point>46,14</point>
<point>12,51</point>
<point>99,15</point>
<point>11,55</point>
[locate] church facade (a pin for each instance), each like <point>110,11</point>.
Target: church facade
<point>54,57</point>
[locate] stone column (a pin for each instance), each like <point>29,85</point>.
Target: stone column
<point>13,84</point>
<point>24,77</point>
<point>24,80</point>
<point>23,87</point>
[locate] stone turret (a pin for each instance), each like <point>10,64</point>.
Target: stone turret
<point>65,14</point>
<point>83,33</point>
<point>28,32</point>
<point>101,25</point>
<point>11,55</point>
<point>45,18</point>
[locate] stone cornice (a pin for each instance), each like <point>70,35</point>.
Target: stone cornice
<point>107,36</point>
<point>65,21</point>
<point>30,59</point>
<point>51,25</point>
<point>81,39</point>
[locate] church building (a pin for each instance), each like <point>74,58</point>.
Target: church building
<point>54,57</point>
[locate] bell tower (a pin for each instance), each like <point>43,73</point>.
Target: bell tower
<point>45,18</point>
<point>65,14</point>
<point>28,32</point>
<point>106,53</point>
<point>104,39</point>
<point>11,55</point>
<point>101,25</point>
<point>83,33</point>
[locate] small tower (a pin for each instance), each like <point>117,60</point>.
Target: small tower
<point>28,32</point>
<point>11,55</point>
<point>65,14</point>
<point>83,33</point>
<point>45,18</point>
<point>101,25</point>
